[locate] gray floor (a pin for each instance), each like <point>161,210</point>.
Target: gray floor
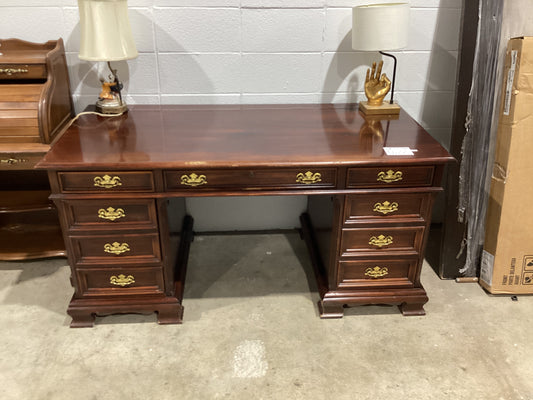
<point>251,331</point>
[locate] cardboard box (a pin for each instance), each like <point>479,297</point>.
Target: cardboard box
<point>507,259</point>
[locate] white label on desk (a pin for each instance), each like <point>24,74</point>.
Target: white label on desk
<point>399,151</point>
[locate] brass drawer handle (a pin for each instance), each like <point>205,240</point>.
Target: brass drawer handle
<point>309,177</point>
<point>122,280</point>
<point>380,241</point>
<point>390,176</point>
<point>386,207</point>
<point>116,248</point>
<point>107,182</point>
<point>11,71</point>
<point>376,272</point>
<point>12,161</point>
<point>193,180</point>
<point>111,214</point>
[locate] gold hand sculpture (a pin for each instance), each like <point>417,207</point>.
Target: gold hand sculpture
<point>377,85</point>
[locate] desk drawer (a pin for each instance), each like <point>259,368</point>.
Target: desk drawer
<point>387,207</point>
<point>360,240</point>
<point>22,71</point>
<point>392,176</point>
<point>107,181</point>
<point>122,281</point>
<point>111,214</point>
<point>377,273</point>
<point>115,249</point>
<point>19,161</point>
<point>290,178</point>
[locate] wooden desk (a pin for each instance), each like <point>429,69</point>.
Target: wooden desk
<point>367,219</point>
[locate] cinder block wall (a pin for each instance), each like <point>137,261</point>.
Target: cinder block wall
<point>255,51</point>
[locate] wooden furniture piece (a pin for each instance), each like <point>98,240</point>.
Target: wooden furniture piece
<point>35,104</point>
<point>366,225</point>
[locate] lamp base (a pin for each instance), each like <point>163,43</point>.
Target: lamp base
<point>384,108</point>
<point>114,106</point>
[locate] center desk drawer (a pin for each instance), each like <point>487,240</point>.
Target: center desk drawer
<point>107,181</point>
<point>290,178</point>
<point>363,240</point>
<point>111,214</point>
<point>392,176</point>
<point>116,249</point>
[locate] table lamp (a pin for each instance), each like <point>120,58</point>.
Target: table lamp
<point>378,27</point>
<point>106,36</point>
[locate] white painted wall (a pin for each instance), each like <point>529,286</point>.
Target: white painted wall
<point>255,51</point>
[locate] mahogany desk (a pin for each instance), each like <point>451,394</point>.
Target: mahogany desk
<point>368,212</point>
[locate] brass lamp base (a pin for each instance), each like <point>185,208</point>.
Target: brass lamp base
<point>114,106</point>
<point>384,108</point>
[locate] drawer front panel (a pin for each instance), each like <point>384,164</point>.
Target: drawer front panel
<point>123,281</point>
<point>358,240</point>
<point>114,249</point>
<point>394,176</point>
<point>22,71</point>
<point>290,178</point>
<point>19,161</point>
<point>111,214</point>
<point>377,273</point>
<point>387,206</point>
<point>106,181</point>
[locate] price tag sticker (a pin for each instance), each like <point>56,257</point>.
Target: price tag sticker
<point>399,151</point>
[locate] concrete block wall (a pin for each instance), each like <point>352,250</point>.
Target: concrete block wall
<point>256,51</point>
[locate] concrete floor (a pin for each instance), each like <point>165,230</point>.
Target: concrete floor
<point>251,331</point>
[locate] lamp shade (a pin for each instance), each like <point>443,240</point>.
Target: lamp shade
<point>377,27</point>
<point>105,31</point>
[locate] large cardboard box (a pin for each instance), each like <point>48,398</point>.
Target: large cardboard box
<point>507,259</point>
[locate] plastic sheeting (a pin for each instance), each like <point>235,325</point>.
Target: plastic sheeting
<point>474,175</point>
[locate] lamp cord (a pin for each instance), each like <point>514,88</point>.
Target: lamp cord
<point>393,75</point>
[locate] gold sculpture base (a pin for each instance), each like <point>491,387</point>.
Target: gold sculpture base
<point>384,108</point>
<point>111,106</point>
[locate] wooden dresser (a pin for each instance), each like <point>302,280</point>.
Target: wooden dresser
<point>35,104</point>
<point>368,211</point>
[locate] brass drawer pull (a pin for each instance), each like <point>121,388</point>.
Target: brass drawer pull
<point>111,214</point>
<point>107,182</point>
<point>309,177</point>
<point>12,161</point>
<point>380,241</point>
<point>376,272</point>
<point>386,207</point>
<point>122,280</point>
<point>11,71</point>
<point>193,180</point>
<point>390,176</point>
<point>116,248</point>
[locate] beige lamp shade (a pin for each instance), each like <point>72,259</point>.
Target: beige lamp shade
<point>105,31</point>
<point>377,27</point>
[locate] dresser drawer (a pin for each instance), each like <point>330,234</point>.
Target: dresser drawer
<point>22,71</point>
<point>111,214</point>
<point>377,273</point>
<point>106,181</point>
<point>114,249</point>
<point>290,178</point>
<point>360,240</point>
<point>394,176</point>
<point>387,206</point>
<point>123,281</point>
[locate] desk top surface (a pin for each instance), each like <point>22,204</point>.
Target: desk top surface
<point>202,136</point>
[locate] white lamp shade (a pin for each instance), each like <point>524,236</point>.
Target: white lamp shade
<point>105,31</point>
<point>377,27</point>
